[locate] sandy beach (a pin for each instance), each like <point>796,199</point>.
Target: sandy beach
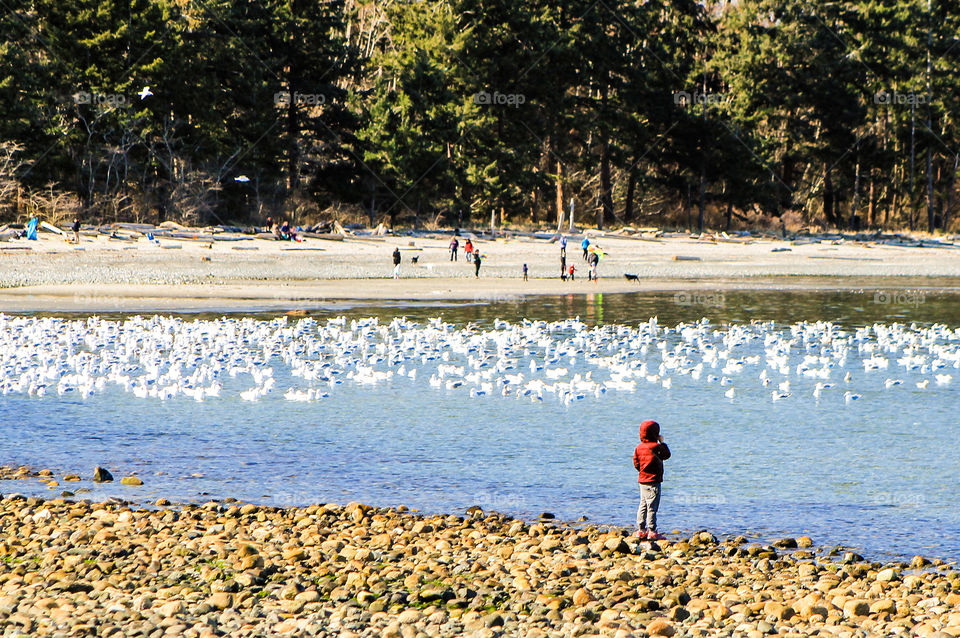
<point>230,568</point>
<point>104,274</point>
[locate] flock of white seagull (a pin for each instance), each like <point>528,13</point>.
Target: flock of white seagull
<point>169,358</point>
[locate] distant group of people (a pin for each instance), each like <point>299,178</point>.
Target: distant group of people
<point>469,250</point>
<point>473,255</point>
<point>283,232</point>
<point>592,254</point>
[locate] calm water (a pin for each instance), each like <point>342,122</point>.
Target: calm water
<point>879,473</point>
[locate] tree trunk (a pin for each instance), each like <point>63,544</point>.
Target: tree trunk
<point>702,196</point>
<point>828,201</point>
<point>895,206</point>
<point>872,202</point>
<point>631,188</point>
<point>912,199</point>
<point>605,211</point>
<point>948,205</point>
<point>293,149</point>
<point>931,216</point>
<point>855,203</point>
<point>559,200</point>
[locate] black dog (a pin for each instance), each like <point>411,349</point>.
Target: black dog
<point>415,258</point>
<point>629,277</point>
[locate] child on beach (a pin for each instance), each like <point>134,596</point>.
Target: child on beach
<point>572,270</point>
<point>525,272</point>
<point>648,460</point>
<point>396,263</point>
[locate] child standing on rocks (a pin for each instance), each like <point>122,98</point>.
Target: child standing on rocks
<point>648,460</point>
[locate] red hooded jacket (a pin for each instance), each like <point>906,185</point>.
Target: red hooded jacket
<point>649,456</point>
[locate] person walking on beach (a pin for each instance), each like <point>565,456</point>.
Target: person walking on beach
<point>525,272</point>
<point>454,244</point>
<point>476,264</point>
<point>396,263</point>
<point>563,247</point>
<point>585,244</point>
<point>76,230</point>
<point>468,250</point>
<point>573,269</point>
<point>593,260</point>
<point>648,458</point>
<point>563,266</point>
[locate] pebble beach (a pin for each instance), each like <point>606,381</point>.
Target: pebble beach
<point>227,568</point>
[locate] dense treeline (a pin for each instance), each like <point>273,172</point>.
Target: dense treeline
<point>842,114</point>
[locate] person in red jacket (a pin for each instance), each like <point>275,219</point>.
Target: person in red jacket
<point>648,460</point>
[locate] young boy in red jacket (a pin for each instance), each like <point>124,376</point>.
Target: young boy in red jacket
<point>648,459</point>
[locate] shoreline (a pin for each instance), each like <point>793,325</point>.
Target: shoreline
<point>230,568</point>
<point>78,487</point>
<point>254,296</point>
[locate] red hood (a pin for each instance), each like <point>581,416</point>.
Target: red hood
<point>649,431</point>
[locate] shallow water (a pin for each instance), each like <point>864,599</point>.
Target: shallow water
<point>879,473</point>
